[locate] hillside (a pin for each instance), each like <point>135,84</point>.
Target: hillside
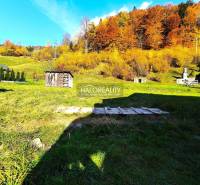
<point>156,27</point>
<point>165,65</point>
<point>99,92</point>
<point>161,145</point>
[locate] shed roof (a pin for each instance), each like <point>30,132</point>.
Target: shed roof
<point>60,72</point>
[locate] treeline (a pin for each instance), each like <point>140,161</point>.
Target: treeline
<point>10,49</point>
<point>154,28</point>
<point>41,53</point>
<point>128,64</point>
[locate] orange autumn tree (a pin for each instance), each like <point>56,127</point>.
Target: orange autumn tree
<point>154,28</point>
<point>100,39</point>
<point>112,32</point>
<point>127,38</point>
<point>137,18</point>
<point>190,21</point>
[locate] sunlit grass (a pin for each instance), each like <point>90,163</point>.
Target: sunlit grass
<point>139,151</point>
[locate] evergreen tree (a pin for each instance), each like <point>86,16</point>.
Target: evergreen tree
<point>71,46</point>
<point>18,76</point>
<point>7,75</point>
<point>1,74</point>
<point>22,78</point>
<point>12,76</point>
<point>182,8</point>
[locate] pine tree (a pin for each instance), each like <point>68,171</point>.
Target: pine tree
<point>7,75</point>
<point>71,46</point>
<point>1,74</point>
<point>12,76</point>
<point>22,78</point>
<point>18,76</point>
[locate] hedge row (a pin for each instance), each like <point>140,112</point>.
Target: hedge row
<point>11,76</point>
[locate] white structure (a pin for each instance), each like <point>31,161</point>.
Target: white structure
<point>59,79</point>
<point>111,111</point>
<point>185,80</point>
<point>140,80</point>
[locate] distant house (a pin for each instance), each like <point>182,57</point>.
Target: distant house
<point>4,67</point>
<point>140,80</point>
<point>59,79</point>
<point>185,80</point>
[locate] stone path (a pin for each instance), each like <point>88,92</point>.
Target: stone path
<point>111,111</point>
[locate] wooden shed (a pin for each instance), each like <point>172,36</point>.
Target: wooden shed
<point>59,79</point>
<point>140,80</point>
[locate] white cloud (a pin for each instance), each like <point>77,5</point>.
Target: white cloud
<point>124,8</point>
<point>56,11</point>
<point>145,5</point>
<point>113,13</point>
<point>62,14</point>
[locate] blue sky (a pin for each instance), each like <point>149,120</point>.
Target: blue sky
<point>39,22</point>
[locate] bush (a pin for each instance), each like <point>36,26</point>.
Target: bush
<point>174,62</point>
<point>1,74</point>
<point>198,77</point>
<point>7,75</point>
<point>22,77</point>
<point>12,76</point>
<point>125,65</point>
<point>160,65</point>
<point>18,76</point>
<point>155,79</point>
<point>44,54</point>
<point>10,49</point>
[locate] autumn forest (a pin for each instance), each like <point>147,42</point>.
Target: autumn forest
<point>143,42</point>
<point>155,28</point>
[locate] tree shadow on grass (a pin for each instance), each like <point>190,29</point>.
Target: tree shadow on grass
<point>126,150</point>
<point>5,90</point>
<point>176,77</point>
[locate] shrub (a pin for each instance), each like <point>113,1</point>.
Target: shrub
<point>160,65</point>
<point>7,75</point>
<point>12,76</point>
<point>18,76</point>
<point>196,60</point>
<point>22,77</point>
<point>126,64</point>
<point>1,74</point>
<point>198,77</point>
<point>174,62</point>
<point>10,49</point>
<point>44,54</point>
<point>155,79</point>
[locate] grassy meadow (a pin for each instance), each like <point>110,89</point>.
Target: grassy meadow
<point>107,150</point>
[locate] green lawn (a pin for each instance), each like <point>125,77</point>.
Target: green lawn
<point>26,64</point>
<point>108,150</point>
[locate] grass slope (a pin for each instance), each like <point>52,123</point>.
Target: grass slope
<point>28,65</point>
<point>131,150</point>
